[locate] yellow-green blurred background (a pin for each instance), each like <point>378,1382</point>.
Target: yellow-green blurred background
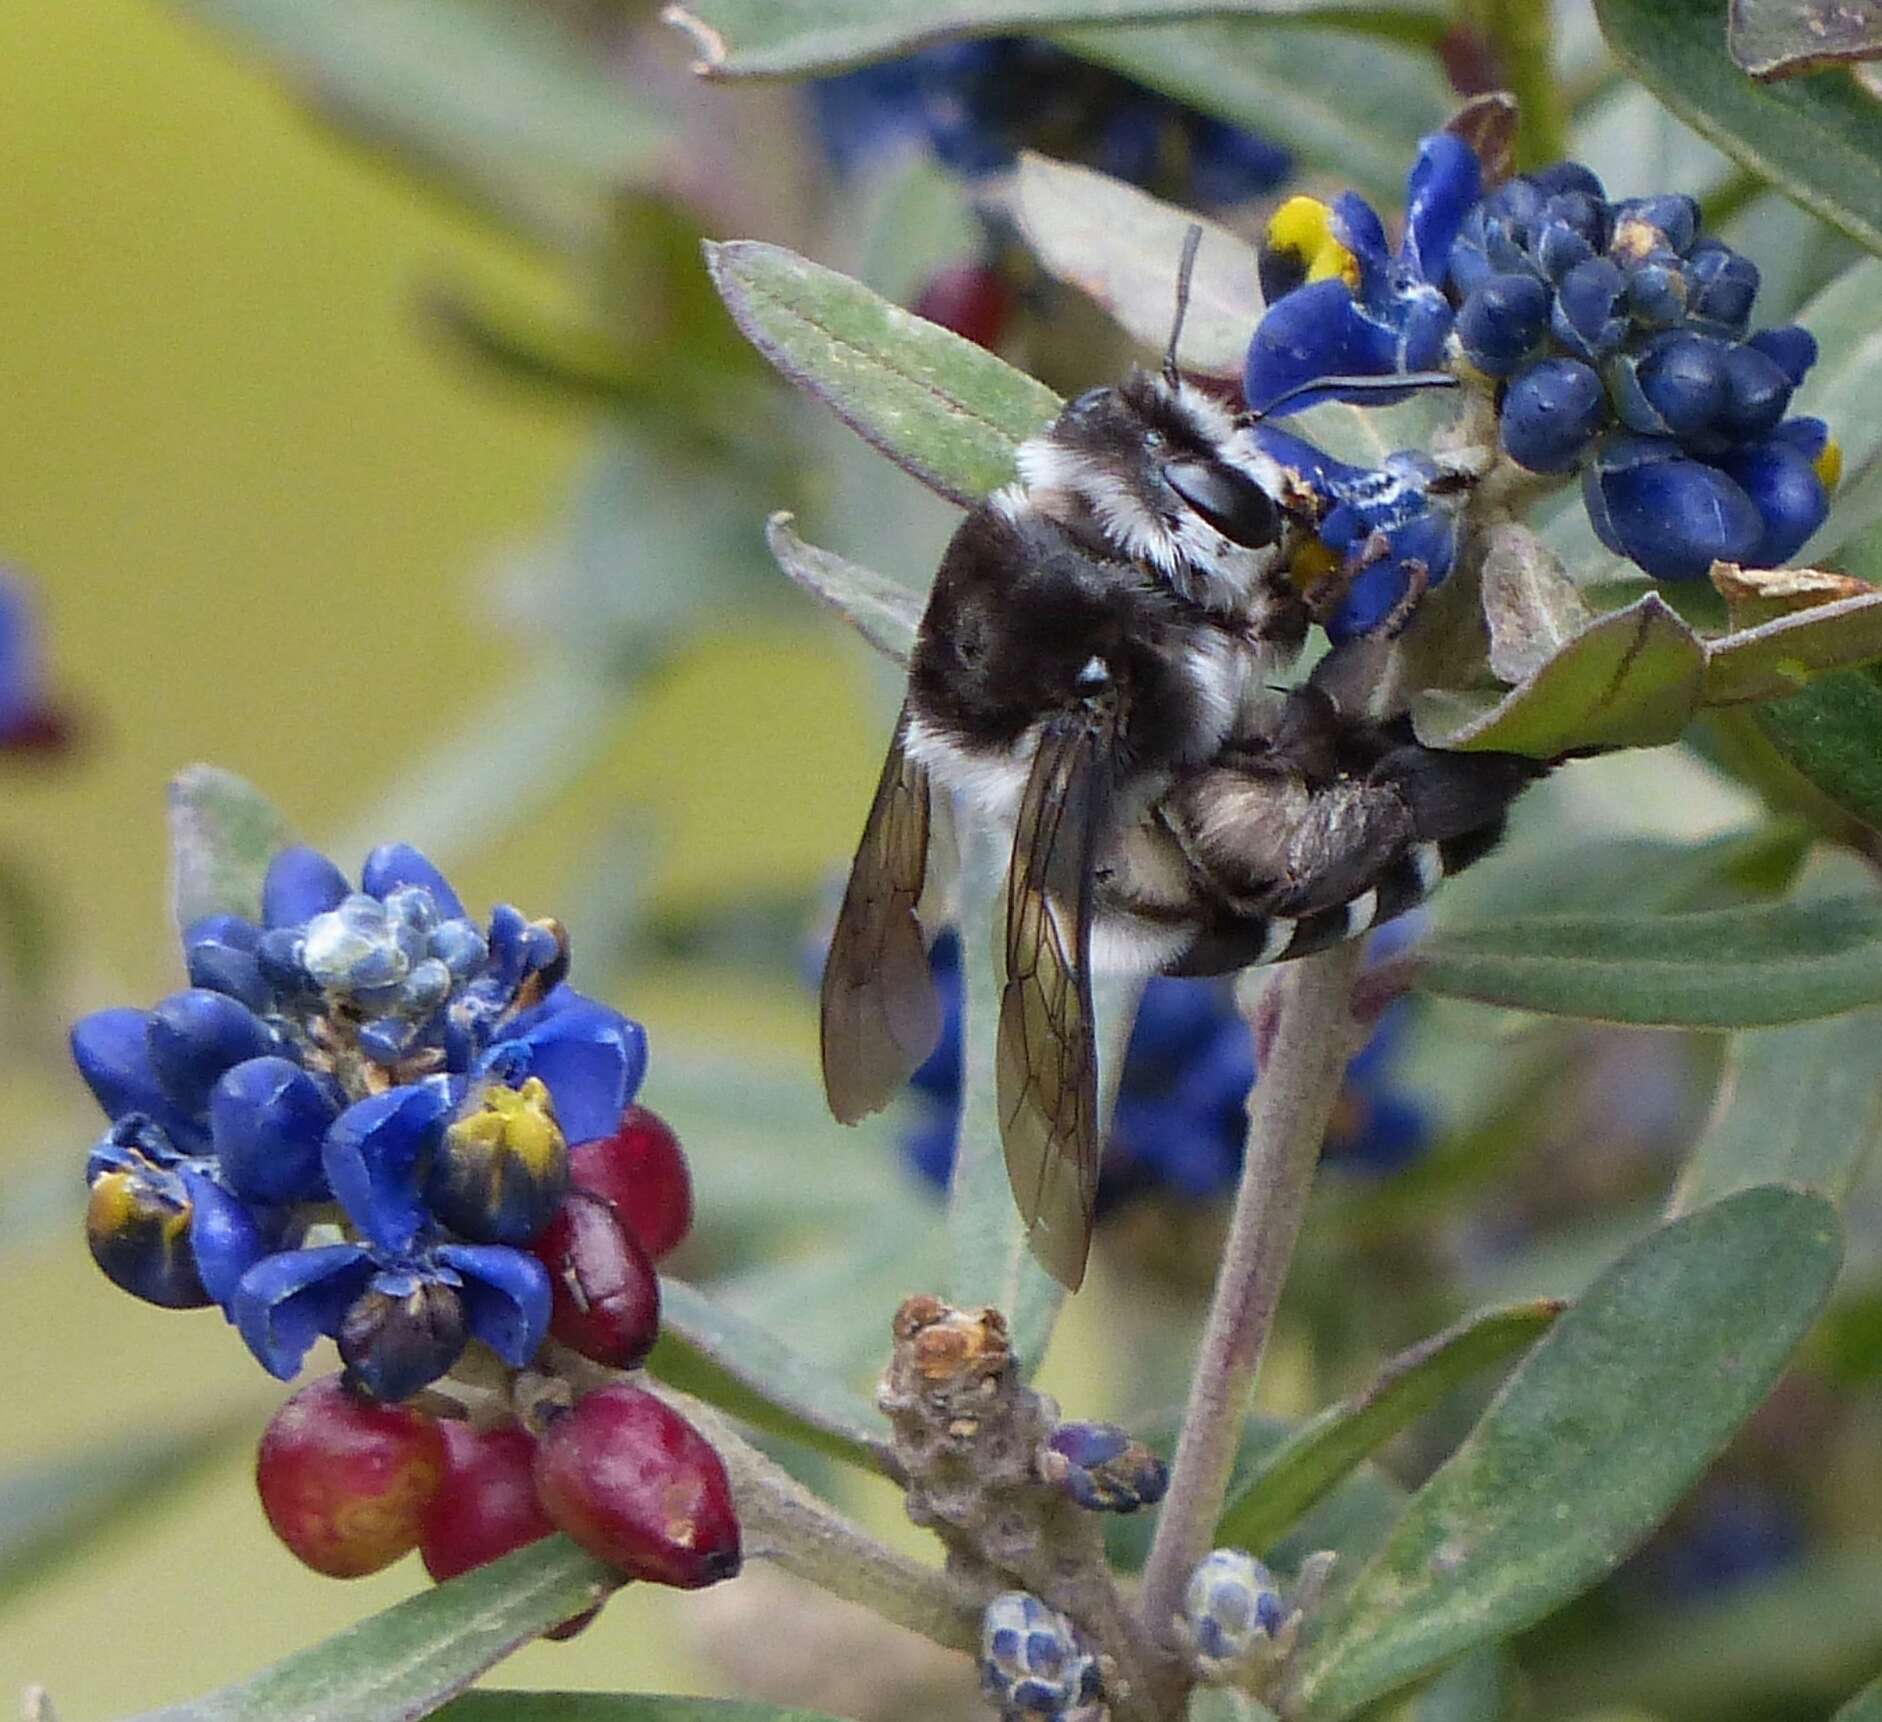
<point>257,500</point>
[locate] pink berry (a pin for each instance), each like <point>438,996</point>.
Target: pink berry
<point>641,1170</point>
<point>346,1482</point>
<point>640,1488</point>
<point>606,1293</point>
<point>975,300</point>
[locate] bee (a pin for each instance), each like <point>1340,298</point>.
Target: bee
<point>1097,636</point>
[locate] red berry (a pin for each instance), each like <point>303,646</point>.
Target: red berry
<point>345,1482</point>
<point>975,300</point>
<point>606,1293</point>
<point>640,1488</point>
<point>642,1171</point>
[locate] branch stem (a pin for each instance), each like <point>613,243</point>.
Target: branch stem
<point>1313,1033</point>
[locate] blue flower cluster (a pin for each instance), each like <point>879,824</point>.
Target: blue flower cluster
<point>1615,334</point>
<point>353,1121</point>
<point>975,105</point>
<point>1035,1666</point>
<point>1181,1116</point>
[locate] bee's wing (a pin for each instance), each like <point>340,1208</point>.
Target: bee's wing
<point>880,1017</point>
<point>1047,1059</point>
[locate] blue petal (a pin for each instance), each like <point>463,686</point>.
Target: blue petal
<point>300,884</point>
<point>1424,324</point>
<point>219,953</point>
<point>287,1301</point>
<point>1356,225</point>
<point>195,1036</point>
<point>1443,184</point>
<point>224,1236</point>
<point>112,1051</point>
<point>592,1058</point>
<point>268,1120</point>
<point>1672,517</point>
<point>1316,331</point>
<point>928,1146</point>
<point>1793,348</point>
<point>378,1154</point>
<point>1789,497</point>
<point>506,1297</point>
<point>394,864</point>
<point>1328,478</point>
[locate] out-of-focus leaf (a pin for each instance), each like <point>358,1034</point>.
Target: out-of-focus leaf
<point>882,610</point>
<point>1722,968</point>
<point>405,1662</point>
<point>739,1366</point>
<point>1819,139</point>
<point>1776,658</point>
<point>940,407</point>
<point>50,1510</point>
<point>1780,38</point>
<point>1832,734</point>
<point>26,928</point>
<point>1800,1105</point>
<point>1629,679</point>
<point>223,834</point>
<point>1326,1447</point>
<point>1294,85</point>
<point>1226,1704</point>
<point>782,38</point>
<point>1121,246</point>
<point>1684,1336</point>
<point>1475,1688</point>
<point>1866,1706</point>
<point>613,1707</point>
<point>524,344</point>
<point>501,99</point>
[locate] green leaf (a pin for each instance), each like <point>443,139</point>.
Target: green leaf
<point>405,1662</point>
<point>500,99</point>
<point>1800,1106</point>
<point>784,38</point>
<point>1325,1448</point>
<point>1745,967</point>
<point>1225,1704</point>
<point>1842,389</point>
<point>223,834</point>
<point>884,611</point>
<point>1295,85</point>
<point>1628,679</point>
<point>1820,140</point>
<point>1121,246</point>
<point>734,1363</point>
<point>1777,658</point>
<point>1476,1688</point>
<point>1530,606</point>
<point>1780,38</point>
<point>613,1707</point>
<point>1866,1706</point>
<point>940,407</point>
<point>1832,734</point>
<point>1683,1337</point>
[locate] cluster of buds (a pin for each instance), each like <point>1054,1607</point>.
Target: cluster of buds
<point>373,1119</point>
<point>1035,1664</point>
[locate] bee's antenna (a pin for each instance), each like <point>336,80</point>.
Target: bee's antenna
<point>1185,269</point>
<point>1394,385</point>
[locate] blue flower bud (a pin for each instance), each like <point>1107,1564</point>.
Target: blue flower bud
<point>1657,292</point>
<point>1501,321</point>
<point>395,865</point>
<point>1783,485</point>
<point>195,1036</point>
<point>1102,1469</point>
<point>219,954</point>
<point>112,1051</point>
<point>1723,285</point>
<point>1035,1664</point>
<point>1550,413</point>
<point>1793,348</point>
<point>1673,516</point>
<point>300,883</point>
<point>279,954</point>
<point>460,946</point>
<point>1586,216</point>
<point>1677,387</point>
<point>1758,393</point>
<point>267,1121</point>
<point>137,1222</point>
<point>1588,316</point>
<point>1569,178</point>
<point>1560,247</point>
<point>401,1334</point>
<point>502,1169</point>
<point>1233,1617</point>
<point>1669,222</point>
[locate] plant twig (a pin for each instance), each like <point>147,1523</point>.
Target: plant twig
<point>1288,1111</point>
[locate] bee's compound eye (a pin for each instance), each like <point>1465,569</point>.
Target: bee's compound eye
<point>1232,502</point>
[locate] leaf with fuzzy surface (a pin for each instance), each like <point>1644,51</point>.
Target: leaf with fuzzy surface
<point>223,834</point>
<point>884,611</point>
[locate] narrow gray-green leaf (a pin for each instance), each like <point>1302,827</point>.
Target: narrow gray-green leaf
<point>1866,1706</point>
<point>405,1662</point>
<point>1121,247</point>
<point>1776,658</point>
<point>614,1707</point>
<point>1629,679</point>
<point>1780,38</point>
<point>940,407</point>
<point>1745,967</point>
<point>1800,1105</point>
<point>1530,605</point>
<point>784,38</point>
<point>742,1368</point>
<point>223,834</point>
<point>882,610</point>
<point>1325,1448</point>
<point>1683,1336</point>
<point>1818,139</point>
<point>1295,85</point>
<point>1832,734</point>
